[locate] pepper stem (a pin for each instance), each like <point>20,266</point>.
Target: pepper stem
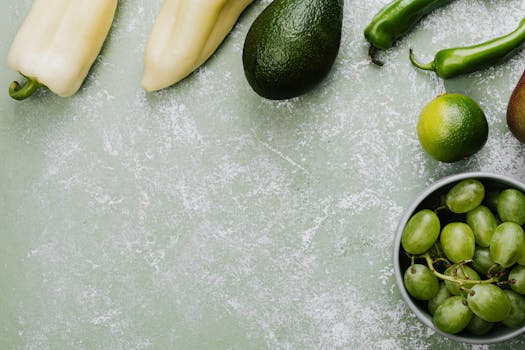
<point>22,92</point>
<point>372,56</point>
<point>429,66</point>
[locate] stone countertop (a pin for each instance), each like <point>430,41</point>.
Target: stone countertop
<point>205,217</point>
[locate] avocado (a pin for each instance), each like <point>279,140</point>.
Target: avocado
<point>291,46</point>
<point>516,110</point>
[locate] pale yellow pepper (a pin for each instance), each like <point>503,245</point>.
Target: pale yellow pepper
<point>57,43</point>
<point>185,34</point>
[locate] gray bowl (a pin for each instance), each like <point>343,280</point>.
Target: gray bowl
<point>428,199</point>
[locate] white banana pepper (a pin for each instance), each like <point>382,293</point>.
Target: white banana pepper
<point>57,44</point>
<point>185,34</point>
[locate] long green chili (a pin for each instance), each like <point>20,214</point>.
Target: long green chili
<point>395,20</point>
<point>449,63</point>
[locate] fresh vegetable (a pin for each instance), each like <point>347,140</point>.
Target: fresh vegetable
<point>291,46</point>
<point>185,34</point>
<point>467,287</point>
<point>57,43</point>
<point>395,20</point>
<point>516,110</point>
<point>449,63</point>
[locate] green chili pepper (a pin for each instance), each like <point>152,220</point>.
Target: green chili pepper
<point>449,63</point>
<point>395,20</point>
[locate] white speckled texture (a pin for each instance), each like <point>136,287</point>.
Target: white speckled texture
<point>204,217</point>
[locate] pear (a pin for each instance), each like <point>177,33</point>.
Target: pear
<point>516,110</point>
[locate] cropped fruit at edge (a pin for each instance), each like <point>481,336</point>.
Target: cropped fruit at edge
<point>516,110</point>
<point>452,127</point>
<point>291,46</point>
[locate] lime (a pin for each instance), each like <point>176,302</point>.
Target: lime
<point>452,127</point>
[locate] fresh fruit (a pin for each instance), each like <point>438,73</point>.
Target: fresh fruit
<point>476,258</point>
<point>453,315</point>
<point>516,110</point>
<point>489,302</point>
<point>465,196</point>
<point>516,318</point>
<point>478,326</point>
<point>457,241</point>
<point>517,278</point>
<point>483,224</point>
<point>508,244</point>
<point>491,199</point>
<point>511,206</point>
<point>462,272</point>
<point>452,127</point>
<point>420,282</point>
<point>291,46</point>
<point>421,232</point>
<point>442,294</point>
<point>482,261</point>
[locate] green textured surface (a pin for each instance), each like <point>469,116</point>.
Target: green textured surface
<point>204,217</point>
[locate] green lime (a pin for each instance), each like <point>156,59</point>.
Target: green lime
<point>452,127</point>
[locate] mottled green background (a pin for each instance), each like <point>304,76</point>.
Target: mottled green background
<point>205,217</point>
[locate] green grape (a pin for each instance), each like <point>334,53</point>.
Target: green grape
<point>482,261</point>
<point>511,206</point>
<point>457,241</point>
<point>521,260</point>
<point>440,297</point>
<point>478,326</point>
<point>465,196</point>
<point>421,232</point>
<point>483,223</point>
<point>508,244</point>
<point>420,282</point>
<point>463,272</point>
<point>517,276</point>
<point>453,315</point>
<point>516,317</point>
<point>491,199</point>
<point>489,302</point>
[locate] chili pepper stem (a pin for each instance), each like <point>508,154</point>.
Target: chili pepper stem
<point>429,66</point>
<point>22,92</point>
<point>372,56</point>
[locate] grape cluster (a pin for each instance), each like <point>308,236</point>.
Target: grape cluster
<point>468,258</point>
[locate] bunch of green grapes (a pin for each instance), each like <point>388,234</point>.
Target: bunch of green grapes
<point>471,272</point>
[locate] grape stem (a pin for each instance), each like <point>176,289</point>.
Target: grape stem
<point>438,274</point>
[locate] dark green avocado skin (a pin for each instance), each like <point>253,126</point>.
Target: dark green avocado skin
<point>291,46</point>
